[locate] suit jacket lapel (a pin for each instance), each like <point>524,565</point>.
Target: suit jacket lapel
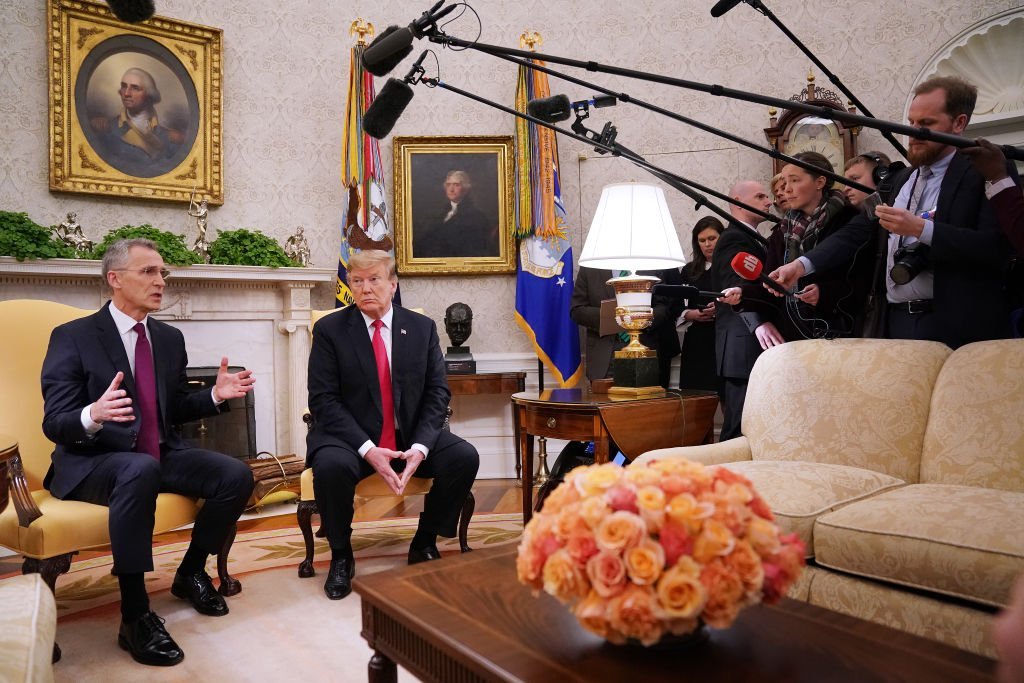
<point>362,347</point>
<point>162,366</point>
<point>113,346</point>
<point>958,166</point>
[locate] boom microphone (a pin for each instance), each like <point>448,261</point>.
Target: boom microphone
<point>388,105</point>
<point>132,11</point>
<point>395,44</point>
<point>749,267</point>
<point>723,6</point>
<point>551,109</point>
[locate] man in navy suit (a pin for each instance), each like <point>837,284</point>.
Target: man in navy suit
<point>378,395</point>
<point>114,391</point>
<point>956,296</point>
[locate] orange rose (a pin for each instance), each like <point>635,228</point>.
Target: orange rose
<point>645,562</point>
<point>715,540</point>
<point>745,561</point>
<point>681,595</point>
<point>569,522</point>
<point>591,612</point>
<point>563,578</point>
<point>685,510</point>
<point>594,510</point>
<point>633,614</point>
<point>619,531</point>
<point>640,475</point>
<point>528,566</point>
<point>607,574</point>
<point>598,478</point>
<point>724,590</point>
<point>563,495</point>
<point>763,535</point>
<point>650,502</point>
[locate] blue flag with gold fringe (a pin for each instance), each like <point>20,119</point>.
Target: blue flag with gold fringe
<point>544,275</point>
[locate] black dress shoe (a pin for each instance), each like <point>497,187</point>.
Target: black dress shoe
<point>423,554</point>
<point>148,642</point>
<point>198,589</point>
<point>339,579</point>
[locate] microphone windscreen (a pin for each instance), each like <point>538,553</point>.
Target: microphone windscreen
<point>550,109</point>
<point>747,266</point>
<point>387,50</point>
<point>132,11</point>
<point>723,6</point>
<point>387,106</point>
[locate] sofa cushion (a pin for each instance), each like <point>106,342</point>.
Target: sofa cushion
<point>974,434</point>
<point>28,619</point>
<point>799,492</point>
<point>857,402</point>
<point>962,541</point>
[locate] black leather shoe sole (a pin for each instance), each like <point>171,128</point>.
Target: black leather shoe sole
<point>180,590</point>
<point>425,555</point>
<point>149,658</point>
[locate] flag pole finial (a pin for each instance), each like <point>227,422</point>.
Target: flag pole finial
<point>362,28</point>
<point>530,40</point>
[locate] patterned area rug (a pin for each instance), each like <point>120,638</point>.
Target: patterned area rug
<point>89,583</point>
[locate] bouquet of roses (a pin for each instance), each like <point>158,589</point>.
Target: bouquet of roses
<point>657,548</point>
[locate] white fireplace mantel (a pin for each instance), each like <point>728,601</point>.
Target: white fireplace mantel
<point>257,317</point>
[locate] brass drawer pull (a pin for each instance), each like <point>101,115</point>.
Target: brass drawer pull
<point>551,423</point>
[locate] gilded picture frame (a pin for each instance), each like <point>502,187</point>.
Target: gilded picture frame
<point>135,109</point>
<point>454,208</point>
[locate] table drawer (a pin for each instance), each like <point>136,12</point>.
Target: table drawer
<point>561,425</point>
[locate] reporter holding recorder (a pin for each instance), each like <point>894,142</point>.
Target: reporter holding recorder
<point>949,287</point>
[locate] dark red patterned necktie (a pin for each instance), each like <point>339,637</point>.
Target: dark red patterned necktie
<point>387,399</point>
<point>145,396</point>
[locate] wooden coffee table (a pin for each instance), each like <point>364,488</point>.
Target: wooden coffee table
<point>466,618</point>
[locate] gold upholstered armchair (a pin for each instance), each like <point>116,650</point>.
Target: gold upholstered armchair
<point>371,487</point>
<point>47,531</point>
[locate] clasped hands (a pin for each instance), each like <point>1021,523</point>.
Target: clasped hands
<point>380,458</point>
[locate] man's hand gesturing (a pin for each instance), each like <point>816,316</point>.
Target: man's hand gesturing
<point>114,405</point>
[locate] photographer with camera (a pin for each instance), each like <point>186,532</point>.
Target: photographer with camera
<point>945,256</point>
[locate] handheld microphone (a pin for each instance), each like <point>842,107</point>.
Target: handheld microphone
<point>395,44</point>
<point>388,105</point>
<point>683,292</point>
<point>749,267</point>
<point>132,11</point>
<point>723,6</point>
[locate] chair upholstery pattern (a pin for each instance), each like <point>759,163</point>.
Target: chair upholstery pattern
<point>856,402</point>
<point>970,439</point>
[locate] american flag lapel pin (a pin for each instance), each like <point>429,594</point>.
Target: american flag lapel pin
<point>402,330</point>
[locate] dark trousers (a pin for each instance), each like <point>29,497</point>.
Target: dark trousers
<point>734,394</point>
<point>452,464</point>
<point>128,484</point>
<point>904,325</point>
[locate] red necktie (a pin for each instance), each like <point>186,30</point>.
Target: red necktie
<point>387,399</point>
<point>148,440</point>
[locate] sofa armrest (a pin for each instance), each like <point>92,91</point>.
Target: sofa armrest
<point>733,450</point>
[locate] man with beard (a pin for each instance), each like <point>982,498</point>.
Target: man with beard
<point>940,233</point>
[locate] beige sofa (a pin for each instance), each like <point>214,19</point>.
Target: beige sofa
<point>28,619</point>
<point>901,465</point>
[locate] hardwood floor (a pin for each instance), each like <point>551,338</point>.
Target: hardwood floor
<point>492,496</point>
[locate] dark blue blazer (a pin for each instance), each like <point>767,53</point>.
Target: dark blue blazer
<point>82,358</point>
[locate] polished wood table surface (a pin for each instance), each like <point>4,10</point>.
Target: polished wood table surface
<point>635,425</point>
<point>466,618</point>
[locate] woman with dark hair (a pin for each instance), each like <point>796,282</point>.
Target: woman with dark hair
<point>829,303</point>
<point>697,366</point>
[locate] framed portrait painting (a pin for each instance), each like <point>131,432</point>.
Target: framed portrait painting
<point>135,109</point>
<point>453,205</point>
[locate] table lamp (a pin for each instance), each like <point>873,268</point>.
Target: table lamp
<point>632,230</point>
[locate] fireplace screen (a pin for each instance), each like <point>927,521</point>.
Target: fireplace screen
<point>233,432</point>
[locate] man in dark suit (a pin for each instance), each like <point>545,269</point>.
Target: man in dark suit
<point>956,295</point>
<point>1001,189</point>
<point>591,288</point>
<point>378,395</point>
<point>742,330</point>
<point>114,391</point>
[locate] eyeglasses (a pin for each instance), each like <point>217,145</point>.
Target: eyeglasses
<point>148,271</point>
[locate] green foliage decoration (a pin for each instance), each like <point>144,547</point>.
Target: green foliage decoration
<point>248,248</point>
<point>23,238</point>
<point>171,246</point>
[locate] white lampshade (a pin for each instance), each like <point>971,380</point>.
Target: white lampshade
<point>632,230</point>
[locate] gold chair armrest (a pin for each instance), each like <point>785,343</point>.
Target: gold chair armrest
<point>24,505</point>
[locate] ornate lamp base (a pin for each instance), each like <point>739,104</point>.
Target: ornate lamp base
<point>635,367</point>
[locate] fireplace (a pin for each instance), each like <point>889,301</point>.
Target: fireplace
<point>233,432</point>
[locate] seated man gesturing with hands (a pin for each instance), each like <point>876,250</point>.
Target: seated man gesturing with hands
<point>378,395</point>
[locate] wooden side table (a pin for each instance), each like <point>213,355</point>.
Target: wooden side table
<point>635,425</point>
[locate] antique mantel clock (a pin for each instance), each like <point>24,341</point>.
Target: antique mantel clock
<point>797,131</point>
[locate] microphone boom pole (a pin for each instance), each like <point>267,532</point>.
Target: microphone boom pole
<point>1009,151</point>
<point>675,181</point>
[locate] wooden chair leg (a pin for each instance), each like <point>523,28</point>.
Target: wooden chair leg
<point>305,511</point>
<point>467,512</point>
<point>228,585</point>
<point>49,569</point>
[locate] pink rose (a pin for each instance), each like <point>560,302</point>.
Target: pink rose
<point>607,574</point>
<point>675,541</point>
<point>621,497</point>
<point>581,546</point>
